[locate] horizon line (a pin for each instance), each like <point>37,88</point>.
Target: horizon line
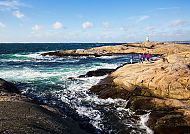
<point>94,42</point>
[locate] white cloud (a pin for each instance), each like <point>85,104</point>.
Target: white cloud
<point>57,25</point>
<point>2,25</point>
<point>142,18</point>
<point>36,28</point>
<point>11,5</point>
<point>87,25</point>
<point>18,14</point>
<point>178,23</point>
<point>167,8</point>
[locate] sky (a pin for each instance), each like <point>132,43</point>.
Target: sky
<point>94,20</point>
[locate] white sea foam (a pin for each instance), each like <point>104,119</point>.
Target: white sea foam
<point>26,74</point>
<point>14,60</point>
<point>75,99</point>
<point>143,120</point>
<point>64,73</point>
<point>77,94</point>
<point>109,66</point>
<point>31,55</point>
<point>71,60</point>
<point>37,57</point>
<point>109,57</point>
<point>94,115</point>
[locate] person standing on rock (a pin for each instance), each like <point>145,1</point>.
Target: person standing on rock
<point>141,58</point>
<point>144,56</point>
<point>148,57</point>
<point>131,60</point>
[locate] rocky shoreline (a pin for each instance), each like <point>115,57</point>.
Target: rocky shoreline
<point>21,115</point>
<point>162,87</point>
<point>155,48</point>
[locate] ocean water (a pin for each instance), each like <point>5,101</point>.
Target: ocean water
<point>46,80</point>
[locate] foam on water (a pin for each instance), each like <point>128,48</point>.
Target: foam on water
<point>14,60</point>
<point>143,120</point>
<point>109,57</point>
<point>39,58</point>
<point>77,96</point>
<point>36,56</point>
<point>25,74</point>
<point>108,66</point>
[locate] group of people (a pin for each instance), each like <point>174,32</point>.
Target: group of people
<point>144,57</point>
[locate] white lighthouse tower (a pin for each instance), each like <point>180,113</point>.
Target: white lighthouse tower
<point>147,39</point>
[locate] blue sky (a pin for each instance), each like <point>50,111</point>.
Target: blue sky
<point>94,20</point>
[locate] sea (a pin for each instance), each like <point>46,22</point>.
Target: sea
<point>46,79</point>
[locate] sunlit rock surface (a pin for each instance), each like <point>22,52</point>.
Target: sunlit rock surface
<point>162,87</point>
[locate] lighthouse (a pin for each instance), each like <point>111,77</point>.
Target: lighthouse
<point>147,39</point>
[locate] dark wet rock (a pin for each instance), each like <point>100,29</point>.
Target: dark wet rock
<point>72,53</point>
<point>56,53</point>
<point>8,87</point>
<point>169,121</point>
<point>24,117</point>
<point>71,78</point>
<point>21,115</point>
<point>98,72</point>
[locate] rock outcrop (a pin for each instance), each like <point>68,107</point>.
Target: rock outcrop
<point>98,72</point>
<point>156,48</point>
<point>21,115</point>
<point>162,87</point>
